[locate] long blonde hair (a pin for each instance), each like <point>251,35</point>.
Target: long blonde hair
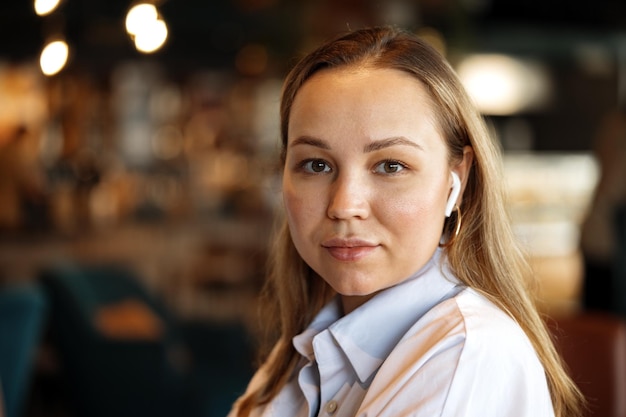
<point>485,256</point>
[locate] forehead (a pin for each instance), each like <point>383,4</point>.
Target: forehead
<point>362,98</point>
<point>375,78</point>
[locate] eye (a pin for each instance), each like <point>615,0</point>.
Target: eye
<point>315,166</point>
<point>389,167</point>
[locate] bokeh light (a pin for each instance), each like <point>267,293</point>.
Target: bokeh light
<point>147,29</point>
<point>54,57</point>
<point>45,7</point>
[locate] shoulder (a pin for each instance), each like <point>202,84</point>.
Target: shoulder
<point>497,358</point>
<point>464,357</point>
<point>470,324</point>
<point>460,336</point>
<point>478,327</point>
<point>486,322</point>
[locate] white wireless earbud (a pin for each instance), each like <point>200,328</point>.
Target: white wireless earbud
<point>454,194</point>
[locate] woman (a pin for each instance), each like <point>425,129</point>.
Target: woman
<point>379,313</point>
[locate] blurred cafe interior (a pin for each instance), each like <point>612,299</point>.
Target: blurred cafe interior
<point>139,183</point>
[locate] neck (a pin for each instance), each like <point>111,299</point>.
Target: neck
<point>352,302</point>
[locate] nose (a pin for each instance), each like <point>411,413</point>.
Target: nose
<point>348,198</point>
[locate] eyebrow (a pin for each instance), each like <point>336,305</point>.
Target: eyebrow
<point>370,147</point>
<point>389,142</point>
<point>311,141</point>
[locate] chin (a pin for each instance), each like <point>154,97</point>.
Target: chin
<point>354,291</point>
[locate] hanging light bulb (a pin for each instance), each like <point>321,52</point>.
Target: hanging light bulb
<point>140,16</point>
<point>53,57</point>
<point>151,37</point>
<point>45,7</point>
<point>146,27</point>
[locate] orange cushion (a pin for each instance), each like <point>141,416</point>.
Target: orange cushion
<point>128,319</point>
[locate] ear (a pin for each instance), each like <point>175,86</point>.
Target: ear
<point>462,171</point>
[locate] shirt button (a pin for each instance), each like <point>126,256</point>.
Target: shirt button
<point>331,407</point>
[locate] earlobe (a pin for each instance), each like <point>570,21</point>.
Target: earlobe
<point>454,194</point>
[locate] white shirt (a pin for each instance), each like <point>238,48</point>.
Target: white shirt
<point>425,347</point>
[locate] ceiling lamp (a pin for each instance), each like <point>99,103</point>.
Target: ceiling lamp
<point>504,85</point>
<point>54,57</point>
<point>147,29</point>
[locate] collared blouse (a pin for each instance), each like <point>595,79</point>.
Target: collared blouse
<point>426,347</point>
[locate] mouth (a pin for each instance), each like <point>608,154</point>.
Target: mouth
<point>349,249</point>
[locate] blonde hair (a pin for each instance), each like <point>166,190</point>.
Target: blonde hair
<point>485,256</point>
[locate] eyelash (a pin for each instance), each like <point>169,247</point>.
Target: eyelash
<point>401,166</point>
<point>303,166</point>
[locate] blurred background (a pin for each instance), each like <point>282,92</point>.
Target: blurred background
<point>138,181</point>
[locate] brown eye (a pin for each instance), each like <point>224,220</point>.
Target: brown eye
<point>316,166</point>
<point>389,167</point>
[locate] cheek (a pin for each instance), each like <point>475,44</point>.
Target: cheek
<point>419,212</point>
<point>407,214</point>
<point>422,195</point>
<point>298,207</point>
<point>301,218</point>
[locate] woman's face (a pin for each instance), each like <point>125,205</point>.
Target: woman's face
<point>366,179</point>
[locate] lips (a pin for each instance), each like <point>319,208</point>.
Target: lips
<point>349,249</point>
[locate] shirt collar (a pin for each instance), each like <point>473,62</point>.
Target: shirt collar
<point>328,315</point>
<point>369,333</point>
